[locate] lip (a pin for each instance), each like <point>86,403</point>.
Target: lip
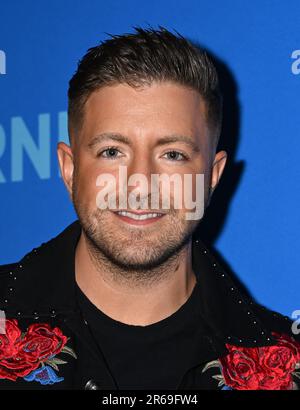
<point>140,212</point>
<point>135,222</point>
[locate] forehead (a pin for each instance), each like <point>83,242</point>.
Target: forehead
<point>158,109</point>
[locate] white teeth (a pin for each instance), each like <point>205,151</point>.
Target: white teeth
<point>138,217</point>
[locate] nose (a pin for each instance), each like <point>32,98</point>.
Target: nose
<point>141,163</point>
<point>139,174</point>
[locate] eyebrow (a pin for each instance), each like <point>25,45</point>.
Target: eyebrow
<point>168,139</point>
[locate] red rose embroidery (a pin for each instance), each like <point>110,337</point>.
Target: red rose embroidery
<point>13,368</point>
<point>262,368</point>
<point>9,339</point>
<point>240,369</point>
<point>11,365</point>
<point>20,354</point>
<point>41,342</point>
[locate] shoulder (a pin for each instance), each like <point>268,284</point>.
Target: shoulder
<point>6,271</point>
<point>277,322</point>
<point>45,252</point>
<point>21,274</point>
<point>8,276</point>
<point>8,268</point>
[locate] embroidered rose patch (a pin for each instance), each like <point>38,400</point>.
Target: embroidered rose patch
<point>32,355</point>
<point>260,368</point>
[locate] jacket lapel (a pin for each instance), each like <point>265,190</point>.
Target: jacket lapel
<point>224,308</point>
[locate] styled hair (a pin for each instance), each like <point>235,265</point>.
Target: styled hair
<point>139,59</point>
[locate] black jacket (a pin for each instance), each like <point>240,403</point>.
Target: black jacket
<point>37,295</point>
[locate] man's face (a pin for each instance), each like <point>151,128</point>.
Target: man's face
<point>142,119</point>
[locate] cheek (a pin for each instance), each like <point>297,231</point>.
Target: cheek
<point>193,188</point>
<point>86,187</point>
<point>103,184</point>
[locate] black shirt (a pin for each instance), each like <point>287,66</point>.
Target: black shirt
<point>155,356</point>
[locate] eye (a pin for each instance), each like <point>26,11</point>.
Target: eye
<point>110,151</point>
<point>173,156</point>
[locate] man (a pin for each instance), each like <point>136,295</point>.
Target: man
<point>125,297</point>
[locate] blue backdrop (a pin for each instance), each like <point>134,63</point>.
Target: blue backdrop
<point>253,220</point>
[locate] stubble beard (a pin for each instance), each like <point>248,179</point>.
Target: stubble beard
<point>137,254</point>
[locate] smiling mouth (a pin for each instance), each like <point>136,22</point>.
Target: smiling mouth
<point>139,218</point>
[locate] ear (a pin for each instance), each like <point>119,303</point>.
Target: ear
<point>66,165</point>
<point>217,169</point>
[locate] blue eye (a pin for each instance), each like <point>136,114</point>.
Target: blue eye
<point>174,156</point>
<point>110,153</point>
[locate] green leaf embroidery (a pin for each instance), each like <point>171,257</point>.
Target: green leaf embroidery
<point>296,374</point>
<point>57,361</point>
<point>214,363</point>
<point>52,364</point>
<point>218,377</point>
<point>68,350</point>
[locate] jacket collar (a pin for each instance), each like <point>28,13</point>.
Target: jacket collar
<point>43,284</point>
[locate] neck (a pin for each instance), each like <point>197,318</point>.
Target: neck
<point>130,297</point>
